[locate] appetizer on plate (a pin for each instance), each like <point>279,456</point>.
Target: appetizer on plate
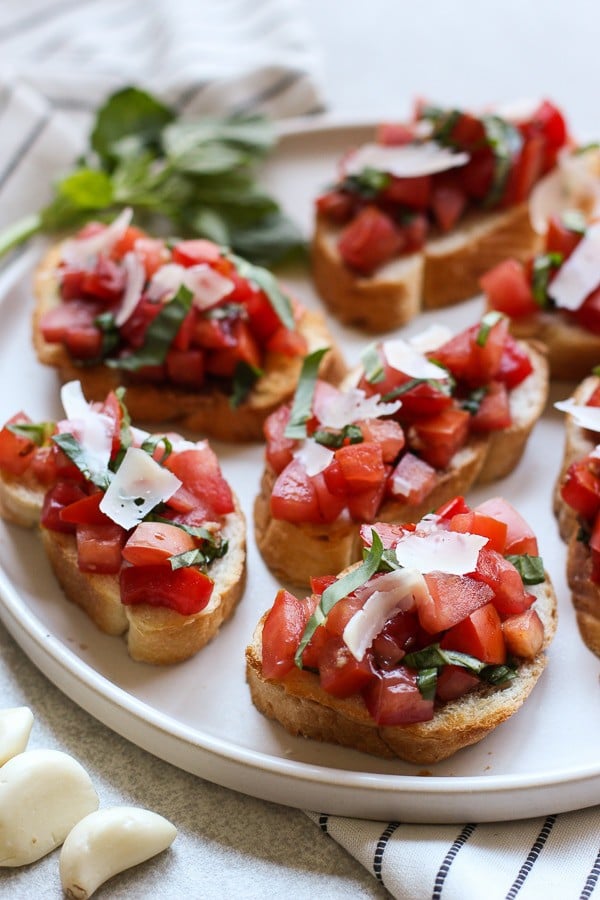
<point>197,335</point>
<point>432,641</point>
<point>416,217</point>
<point>554,297</point>
<point>142,531</point>
<point>427,419</point>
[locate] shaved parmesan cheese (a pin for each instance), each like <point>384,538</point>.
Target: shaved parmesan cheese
<point>440,551</point>
<point>80,252</point>
<point>92,429</point>
<point>580,273</point>
<point>430,339</point>
<point>405,358</point>
<point>314,457</point>
<point>391,593</point>
<point>138,486</point>
<point>207,286</point>
<point>405,161</point>
<point>584,416</point>
<point>351,406</point>
<point>136,278</point>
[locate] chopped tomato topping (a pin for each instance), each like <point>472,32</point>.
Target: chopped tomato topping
<point>186,590</point>
<point>369,241</point>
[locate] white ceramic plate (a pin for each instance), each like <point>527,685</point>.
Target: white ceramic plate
<point>198,715</point>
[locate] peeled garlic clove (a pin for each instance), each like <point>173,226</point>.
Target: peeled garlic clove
<point>107,842</point>
<point>15,728</point>
<point>43,793</point>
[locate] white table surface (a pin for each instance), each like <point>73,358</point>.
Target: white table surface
<point>376,57</point>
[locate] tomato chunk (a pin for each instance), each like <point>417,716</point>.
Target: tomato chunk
<point>524,634</point>
<point>282,630</point>
<point>99,547</point>
<point>394,699</point>
<point>476,523</point>
<point>16,452</point>
<point>508,289</point>
<point>203,484</point>
<point>153,543</point>
<point>60,495</point>
<point>412,480</point>
<point>454,682</point>
<point>519,536</point>
<point>438,438</point>
<point>186,590</point>
<point>479,635</point>
<point>293,497</point>
<point>340,674</point>
<point>370,240</point>
<point>451,599</point>
<point>493,413</point>
<point>361,465</point>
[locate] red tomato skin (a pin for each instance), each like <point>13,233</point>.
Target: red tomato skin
<point>448,200</point>
<point>394,699</point>
<point>62,494</point>
<point>560,239</point>
<point>412,192</point>
<point>508,289</point>
<point>510,596</point>
<point>480,635</point>
<point>361,465</point>
<point>336,206</point>
<point>340,674</point>
<point>16,452</point>
<point>287,342</point>
<point>196,251</point>
<point>85,511</point>
<point>515,364</point>
<point>524,634</point>
<point>581,489</point>
<point>330,505</point>
<point>519,537</point>
<point>369,240</point>
<point>203,483</point>
<point>455,507</point>
<point>454,682</point>
<point>385,432</point>
<point>185,367</point>
<point>588,314</point>
<point>99,547</point>
<point>293,498</point>
<point>412,480</point>
<point>438,438</point>
<point>388,533</point>
<point>363,506</point>
<point>153,543</point>
<point>451,599</point>
<point>282,630</point>
<point>186,590</point>
<point>475,523</point>
<point>493,413</point>
<point>280,449</point>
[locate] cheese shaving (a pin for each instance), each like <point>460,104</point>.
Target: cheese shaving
<point>82,252</point>
<point>351,406</point>
<point>405,358</point>
<point>584,416</point>
<point>404,161</point>
<point>136,278</point>
<point>580,273</point>
<point>430,339</point>
<point>440,551</point>
<point>139,485</point>
<point>92,429</point>
<point>313,456</point>
<point>207,286</point>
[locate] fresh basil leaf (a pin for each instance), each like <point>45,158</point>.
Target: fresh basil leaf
<point>152,442</point>
<point>159,334</point>
<point>206,159</point>
<point>305,389</point>
<point>251,133</point>
<point>36,432</point>
<point>127,112</point>
<point>211,224</point>
<point>335,439</point>
<point>372,364</point>
<point>596,371</point>
<point>367,183</point>
<point>530,568</point>
<point>111,336</point>
<point>245,377</point>
<point>87,189</point>
<point>71,447</point>
<point>338,590</point>
<point>267,282</point>
<point>505,142</point>
<point>498,674</point>
<point>201,556</point>
<point>543,266</point>
<point>389,561</point>
<point>472,401</point>
<point>444,385</point>
<point>434,656</point>
<point>269,240</point>
<point>443,121</point>
<point>574,220</point>
<point>427,682</point>
<point>487,323</point>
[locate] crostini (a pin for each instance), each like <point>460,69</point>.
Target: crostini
<point>142,531</point>
<point>198,335</point>
<point>422,649</point>
<point>554,297</point>
<point>416,217</point>
<point>414,429</point>
<point>577,506</point>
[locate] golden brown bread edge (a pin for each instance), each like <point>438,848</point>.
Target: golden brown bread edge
<point>206,411</point>
<point>154,634</point>
<point>304,708</point>
<point>295,552</point>
<point>445,272</point>
<point>572,351</point>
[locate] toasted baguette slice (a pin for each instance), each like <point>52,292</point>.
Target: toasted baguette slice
<point>585,594</point>
<point>294,552</point>
<point>445,272</point>
<point>303,708</point>
<point>572,351</point>
<point>207,411</point>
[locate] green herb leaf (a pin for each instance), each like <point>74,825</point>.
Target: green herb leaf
<point>87,189</point>
<point>472,402</point>
<point>111,337</point>
<point>498,674</point>
<point>267,282</point>
<point>129,112</point>
<point>245,377</point>
<point>543,266</point>
<point>434,656</point>
<point>443,121</point>
<point>596,371</point>
<point>487,323</point>
<point>530,568</point>
<point>505,141</point>
<point>152,442</point>
<point>302,403</point>
<point>372,364</point>
<point>335,439</point>
<point>367,183</point>
<point>427,682</point>
<point>36,432</point>
<point>593,145</point>
<point>76,453</point>
<point>444,385</point>
<point>574,220</point>
<point>159,335</point>
<point>269,240</point>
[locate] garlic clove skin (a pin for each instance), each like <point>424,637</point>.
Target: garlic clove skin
<point>107,842</point>
<point>43,794</point>
<point>15,728</point>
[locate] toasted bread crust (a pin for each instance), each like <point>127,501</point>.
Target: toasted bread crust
<point>585,593</point>
<point>303,708</point>
<point>445,272</point>
<point>207,411</point>
<point>572,351</point>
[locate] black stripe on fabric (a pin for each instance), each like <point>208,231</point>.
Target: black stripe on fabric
<point>532,856</point>
<point>6,93</point>
<point>274,90</point>
<point>37,18</point>
<point>189,94</point>
<point>73,104</point>
<point>442,874</point>
<point>21,151</point>
<point>323,821</point>
<point>592,880</point>
<point>380,849</point>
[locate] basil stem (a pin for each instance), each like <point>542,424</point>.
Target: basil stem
<point>443,385</point>
<point>543,266</point>
<point>303,398</point>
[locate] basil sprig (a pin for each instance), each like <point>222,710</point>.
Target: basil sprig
<point>267,282</point>
<point>36,432</point>
<point>338,590</point>
<point>303,398</point>
<point>336,439</point>
<point>490,319</point>
<point>505,142</point>
<point>530,568</point>
<point>543,266</point>
<point>372,364</point>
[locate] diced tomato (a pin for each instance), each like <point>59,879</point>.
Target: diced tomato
<point>196,251</point>
<point>99,547</point>
<point>412,192</point>
<point>320,583</point>
<point>479,635</point>
<point>524,634</point>
<point>126,243</point>
<point>341,614</point>
<point>106,281</point>
<point>476,523</point>
<point>280,449</point>
<point>526,170</point>
<point>415,232</point>
<point>340,674</point>
<point>493,413</point>
<point>287,342</point>
<point>448,200</point>
<point>364,506</point>
<point>185,367</point>
<point>510,596</point>
<point>71,283</point>
<point>153,253</point>
<point>588,314</point>
<point>559,238</point>
<point>519,537</point>
<point>476,177</point>
<point>389,534</point>
<point>395,699</point>
<point>213,334</point>
<point>581,488</point>
<point>184,337</point>
<point>336,206</point>
<point>312,651</point>
<point>508,289</point>
<point>203,484</point>
<point>594,398</point>
<point>438,438</point>
<point>412,480</point>
<point>43,464</point>
<point>422,400</point>
<point>223,362</point>
<point>62,494</point>
<point>515,363</point>
<point>153,543</point>
<point>186,590</point>
<point>550,123</point>
<point>361,465</point>
<point>385,432</point>
<point>473,361</point>
<point>369,241</point>
<point>263,321</point>
<point>330,505</point>
<point>284,626</point>
<point>455,507</point>
<point>293,497</point>
<point>394,134</point>
<point>453,682</point>
<point>467,132</point>
<point>16,453</point>
<point>451,599</point>
<point>595,550</point>
<point>85,511</point>
<point>134,329</point>
<point>72,324</point>
<point>335,480</point>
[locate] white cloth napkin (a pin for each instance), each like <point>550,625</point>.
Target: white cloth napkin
<point>60,59</point>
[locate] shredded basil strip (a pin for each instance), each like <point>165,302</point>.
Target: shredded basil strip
<point>268,283</point>
<point>473,401</point>
<point>443,385</point>
<point>201,556</point>
<point>196,531</point>
<point>593,145</point>
<point>487,323</point>
<point>530,568</point>
<point>433,657</point>
<point>302,403</point>
<point>372,364</point>
<point>105,322</point>
<point>367,183</point>
<point>245,377</point>
<point>36,432</point>
<point>543,266</point>
<point>335,439</point>
<point>505,142</point>
<point>73,449</point>
<point>338,590</point>
<point>427,682</point>
<point>498,674</point>
<point>152,442</point>
<point>574,220</point>
<point>443,121</point>
<point>159,334</point>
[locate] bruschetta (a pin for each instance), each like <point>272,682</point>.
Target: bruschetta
<point>198,335</point>
<point>142,531</point>
<point>554,297</point>
<point>414,429</point>
<point>416,217</point>
<point>432,641</point>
